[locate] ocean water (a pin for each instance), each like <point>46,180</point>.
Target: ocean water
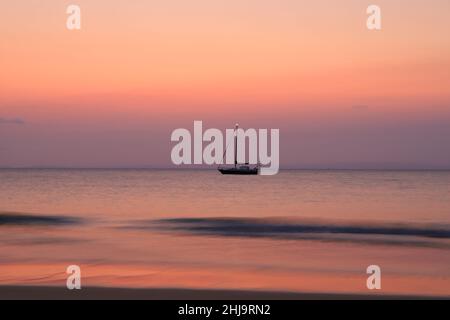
<point>302,231</point>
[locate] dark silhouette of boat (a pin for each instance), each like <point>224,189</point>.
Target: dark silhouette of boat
<point>241,169</point>
<point>244,169</point>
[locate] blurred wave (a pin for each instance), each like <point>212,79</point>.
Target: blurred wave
<point>389,234</point>
<point>16,219</point>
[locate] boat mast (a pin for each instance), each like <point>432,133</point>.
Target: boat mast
<point>235,144</point>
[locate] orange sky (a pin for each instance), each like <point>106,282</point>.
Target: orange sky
<point>137,60</point>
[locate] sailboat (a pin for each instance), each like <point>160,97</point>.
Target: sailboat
<point>242,169</point>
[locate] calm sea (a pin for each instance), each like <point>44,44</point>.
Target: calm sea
<point>305,231</point>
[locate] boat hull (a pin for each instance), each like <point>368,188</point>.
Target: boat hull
<point>253,171</point>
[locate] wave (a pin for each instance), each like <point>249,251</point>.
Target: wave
<point>22,219</point>
<point>372,233</point>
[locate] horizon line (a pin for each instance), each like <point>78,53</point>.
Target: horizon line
<point>207,169</point>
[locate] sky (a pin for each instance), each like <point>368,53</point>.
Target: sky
<point>110,94</point>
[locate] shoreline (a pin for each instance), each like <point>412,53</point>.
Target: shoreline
<point>18,292</point>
